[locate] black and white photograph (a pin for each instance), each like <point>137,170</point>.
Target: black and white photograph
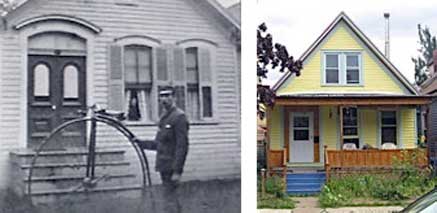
<point>120,106</point>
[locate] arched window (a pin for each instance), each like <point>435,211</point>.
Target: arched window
<point>41,87</point>
<point>71,82</point>
<point>138,82</point>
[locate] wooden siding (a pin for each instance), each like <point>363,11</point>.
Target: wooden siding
<point>169,21</point>
<point>432,130</point>
<point>369,126</point>
<point>275,129</point>
<point>329,128</point>
<point>375,79</point>
<point>408,125</point>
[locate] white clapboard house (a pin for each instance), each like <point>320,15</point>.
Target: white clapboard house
<point>59,56</point>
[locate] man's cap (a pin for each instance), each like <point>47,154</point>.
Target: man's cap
<point>166,91</point>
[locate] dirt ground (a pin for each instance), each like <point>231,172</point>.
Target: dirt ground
<point>215,196</point>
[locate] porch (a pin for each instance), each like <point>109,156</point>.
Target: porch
<point>301,126</point>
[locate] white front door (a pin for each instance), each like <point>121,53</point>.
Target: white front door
<point>301,137</point>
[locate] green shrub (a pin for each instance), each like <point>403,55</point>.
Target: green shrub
<point>275,185</point>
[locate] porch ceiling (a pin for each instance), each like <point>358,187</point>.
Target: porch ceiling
<point>350,99</point>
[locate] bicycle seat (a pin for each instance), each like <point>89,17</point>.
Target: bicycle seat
<point>118,115</point>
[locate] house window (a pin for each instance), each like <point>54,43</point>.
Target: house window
<point>138,82</point>
<point>198,79</point>
<point>388,127</point>
<point>332,69</point>
<point>350,126</point>
<point>342,68</point>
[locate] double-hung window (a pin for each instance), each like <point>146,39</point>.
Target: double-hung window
<point>350,126</point>
<point>198,83</point>
<point>342,68</point>
<point>138,82</point>
<point>388,127</point>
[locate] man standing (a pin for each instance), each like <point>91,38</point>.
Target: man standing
<point>171,141</point>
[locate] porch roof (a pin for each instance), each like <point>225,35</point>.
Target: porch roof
<point>316,99</point>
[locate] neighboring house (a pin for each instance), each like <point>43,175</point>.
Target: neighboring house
<point>348,95</point>
<point>58,56</point>
<point>429,87</point>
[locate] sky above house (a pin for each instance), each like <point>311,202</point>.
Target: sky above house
<point>297,24</point>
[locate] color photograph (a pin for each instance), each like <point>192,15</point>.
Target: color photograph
<point>345,106</point>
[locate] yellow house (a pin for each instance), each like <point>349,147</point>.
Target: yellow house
<point>348,96</point>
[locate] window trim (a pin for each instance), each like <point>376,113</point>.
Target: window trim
<point>212,48</point>
<point>153,44</point>
<point>398,127</point>
<point>358,135</point>
<point>342,64</point>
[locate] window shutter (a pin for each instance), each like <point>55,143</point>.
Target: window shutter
<point>116,90</point>
<point>205,84</point>
<point>179,73</point>
<point>162,67</point>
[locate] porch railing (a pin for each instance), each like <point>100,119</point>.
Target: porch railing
<point>370,159</point>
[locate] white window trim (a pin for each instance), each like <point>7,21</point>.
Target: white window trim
<point>153,44</point>
<point>357,136</point>
<point>212,47</point>
<point>398,126</point>
<point>342,78</point>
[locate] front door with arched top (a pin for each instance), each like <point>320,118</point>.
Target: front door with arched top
<point>56,92</point>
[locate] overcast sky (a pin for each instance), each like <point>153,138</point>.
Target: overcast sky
<point>297,24</point>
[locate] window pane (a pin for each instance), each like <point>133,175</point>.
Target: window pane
<point>301,121</point>
<point>133,112</point>
<point>301,134</point>
<point>207,101</point>
<point>41,80</point>
<point>352,60</point>
<point>353,76</point>
<point>71,82</point>
<point>350,116</point>
<point>130,66</point>
<point>179,92</point>
<point>331,60</point>
<point>331,75</point>
<point>144,65</point>
<point>388,135</point>
<point>388,118</point>
<point>193,103</point>
<point>192,65</point>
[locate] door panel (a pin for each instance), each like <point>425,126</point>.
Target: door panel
<point>301,137</point>
<point>56,101</point>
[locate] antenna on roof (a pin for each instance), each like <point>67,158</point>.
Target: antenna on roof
<point>387,35</point>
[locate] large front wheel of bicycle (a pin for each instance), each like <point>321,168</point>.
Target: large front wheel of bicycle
<point>90,173</point>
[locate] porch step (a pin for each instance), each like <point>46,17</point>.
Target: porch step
<point>60,173</point>
<point>305,183</point>
<point>63,156</point>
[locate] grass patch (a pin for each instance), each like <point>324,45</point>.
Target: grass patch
<point>272,202</point>
<point>398,187</point>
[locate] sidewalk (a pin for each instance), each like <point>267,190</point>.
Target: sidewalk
<point>310,205</point>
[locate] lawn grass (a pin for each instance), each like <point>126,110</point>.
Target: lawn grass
<point>269,201</point>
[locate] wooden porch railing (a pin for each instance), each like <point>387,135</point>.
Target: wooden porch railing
<point>369,159</point>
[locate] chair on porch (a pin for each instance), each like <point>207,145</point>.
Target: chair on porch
<point>349,146</point>
<point>389,146</point>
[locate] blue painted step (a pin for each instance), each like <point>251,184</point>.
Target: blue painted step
<point>305,183</point>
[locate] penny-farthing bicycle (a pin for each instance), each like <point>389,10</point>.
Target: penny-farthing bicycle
<point>92,117</point>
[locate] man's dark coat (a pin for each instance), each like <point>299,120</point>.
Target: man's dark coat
<point>172,141</point>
